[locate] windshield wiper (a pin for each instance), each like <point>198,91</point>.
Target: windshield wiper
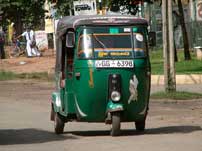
<point>100,42</point>
<point>103,46</point>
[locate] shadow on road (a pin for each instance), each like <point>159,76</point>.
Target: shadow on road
<point>90,133</point>
<point>152,131</point>
<point>173,129</point>
<point>29,136</point>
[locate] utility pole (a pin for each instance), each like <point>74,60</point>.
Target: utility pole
<point>168,47</point>
<point>165,42</point>
<point>171,80</point>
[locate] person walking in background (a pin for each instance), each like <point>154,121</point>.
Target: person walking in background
<point>16,45</point>
<point>10,31</point>
<point>2,42</point>
<point>31,43</point>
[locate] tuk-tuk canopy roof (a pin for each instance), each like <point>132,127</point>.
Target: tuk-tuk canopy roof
<point>71,22</point>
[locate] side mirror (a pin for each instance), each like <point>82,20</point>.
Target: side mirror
<point>70,39</point>
<point>152,38</point>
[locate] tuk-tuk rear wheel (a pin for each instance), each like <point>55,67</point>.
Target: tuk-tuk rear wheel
<point>116,123</point>
<point>140,126</point>
<point>58,124</point>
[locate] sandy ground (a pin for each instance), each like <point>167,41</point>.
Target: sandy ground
<point>25,124</point>
<point>28,65</point>
<point>23,64</point>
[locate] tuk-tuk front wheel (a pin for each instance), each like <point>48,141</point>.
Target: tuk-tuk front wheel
<point>116,123</point>
<point>58,124</point>
<point>140,126</point>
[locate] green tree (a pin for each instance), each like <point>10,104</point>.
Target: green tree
<point>23,12</point>
<point>63,7</point>
<point>130,5</point>
<point>180,15</point>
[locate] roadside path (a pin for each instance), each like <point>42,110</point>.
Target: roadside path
<point>197,88</point>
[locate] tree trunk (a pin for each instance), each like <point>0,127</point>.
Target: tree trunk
<point>175,49</point>
<point>187,55</point>
<point>19,27</point>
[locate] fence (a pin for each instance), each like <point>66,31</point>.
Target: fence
<point>194,29</point>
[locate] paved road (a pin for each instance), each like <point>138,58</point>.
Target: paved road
<point>25,125</point>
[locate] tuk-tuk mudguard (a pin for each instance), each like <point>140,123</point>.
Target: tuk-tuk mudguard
<point>113,107</point>
<point>55,97</point>
<point>56,100</point>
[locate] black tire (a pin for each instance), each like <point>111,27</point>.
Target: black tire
<point>140,126</point>
<point>52,114</point>
<point>58,124</point>
<point>116,124</point>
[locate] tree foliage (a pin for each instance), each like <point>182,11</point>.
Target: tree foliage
<point>22,12</point>
<point>180,15</point>
<point>63,7</point>
<point>131,6</point>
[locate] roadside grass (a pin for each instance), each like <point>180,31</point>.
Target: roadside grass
<point>179,95</point>
<point>4,75</point>
<point>7,75</point>
<point>193,66</point>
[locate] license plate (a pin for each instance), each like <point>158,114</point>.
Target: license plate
<point>114,64</point>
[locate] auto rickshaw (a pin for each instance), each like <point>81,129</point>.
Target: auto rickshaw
<point>102,71</point>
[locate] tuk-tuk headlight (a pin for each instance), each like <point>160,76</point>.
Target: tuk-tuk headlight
<point>115,96</point>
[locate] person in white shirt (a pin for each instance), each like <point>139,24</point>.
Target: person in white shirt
<point>31,43</point>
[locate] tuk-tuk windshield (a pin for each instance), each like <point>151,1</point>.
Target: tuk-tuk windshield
<point>112,42</point>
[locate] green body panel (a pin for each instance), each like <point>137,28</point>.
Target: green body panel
<point>91,91</point>
<point>93,97</point>
<point>87,96</point>
<point>69,96</point>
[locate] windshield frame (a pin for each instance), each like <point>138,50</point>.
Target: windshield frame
<point>131,33</point>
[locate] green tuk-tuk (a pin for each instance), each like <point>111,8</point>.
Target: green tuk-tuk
<point>102,71</point>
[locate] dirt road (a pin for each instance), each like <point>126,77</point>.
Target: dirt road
<point>25,125</point>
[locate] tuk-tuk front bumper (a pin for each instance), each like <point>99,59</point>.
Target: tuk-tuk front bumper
<point>114,106</point>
